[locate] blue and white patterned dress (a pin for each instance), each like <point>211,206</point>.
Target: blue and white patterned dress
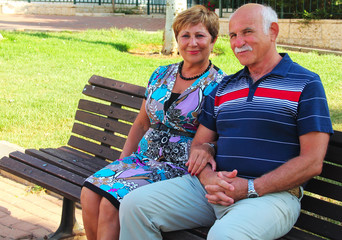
<point>160,155</point>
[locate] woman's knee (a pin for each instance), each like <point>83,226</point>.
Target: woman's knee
<point>89,199</point>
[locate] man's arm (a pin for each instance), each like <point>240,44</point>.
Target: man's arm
<point>309,163</point>
<point>293,173</point>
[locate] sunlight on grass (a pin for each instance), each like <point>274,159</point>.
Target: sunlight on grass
<point>43,75</point>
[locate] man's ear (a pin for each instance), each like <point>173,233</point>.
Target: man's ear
<point>274,31</point>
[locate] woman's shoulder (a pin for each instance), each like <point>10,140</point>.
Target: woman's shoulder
<point>219,71</point>
<point>168,67</point>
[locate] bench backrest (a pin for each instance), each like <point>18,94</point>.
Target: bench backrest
<point>322,203</point>
<point>101,126</point>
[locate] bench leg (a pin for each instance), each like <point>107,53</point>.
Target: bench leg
<point>68,226</point>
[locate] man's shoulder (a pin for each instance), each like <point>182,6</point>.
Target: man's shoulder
<point>297,70</point>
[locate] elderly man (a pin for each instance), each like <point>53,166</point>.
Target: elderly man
<point>271,124</point>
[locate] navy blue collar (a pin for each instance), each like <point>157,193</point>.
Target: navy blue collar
<point>281,69</point>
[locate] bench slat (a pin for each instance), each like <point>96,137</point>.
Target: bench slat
<point>90,164</point>
<point>113,97</point>
<point>324,189</point>
<point>296,234</point>
<point>332,172</point>
<point>322,207</point>
<point>93,148</point>
<point>117,85</point>
<point>41,178</point>
<point>84,165</point>
<point>180,235</point>
<point>72,153</point>
<point>102,122</point>
<point>87,163</point>
<point>48,168</point>
<point>110,111</point>
<point>336,139</point>
<point>334,154</point>
<point>58,162</point>
<point>100,136</point>
<point>318,226</point>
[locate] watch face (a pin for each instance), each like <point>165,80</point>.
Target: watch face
<point>252,195</point>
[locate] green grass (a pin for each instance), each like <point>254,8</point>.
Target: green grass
<point>42,76</point>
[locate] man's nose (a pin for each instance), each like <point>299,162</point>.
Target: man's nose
<point>239,41</point>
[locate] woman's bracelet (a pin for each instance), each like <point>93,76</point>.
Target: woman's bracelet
<point>212,145</point>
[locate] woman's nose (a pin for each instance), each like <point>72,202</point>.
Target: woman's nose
<point>193,41</point>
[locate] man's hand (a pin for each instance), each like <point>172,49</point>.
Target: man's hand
<point>199,157</point>
<point>219,187</point>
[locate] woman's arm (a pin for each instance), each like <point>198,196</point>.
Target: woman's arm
<point>138,129</point>
<point>201,153</point>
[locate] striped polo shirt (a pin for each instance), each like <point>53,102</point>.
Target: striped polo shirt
<point>259,124</point>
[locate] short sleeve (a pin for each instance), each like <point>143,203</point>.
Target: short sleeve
<point>207,116</point>
<point>313,111</point>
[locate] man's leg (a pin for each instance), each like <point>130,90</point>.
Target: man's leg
<point>267,217</point>
<point>169,205</point>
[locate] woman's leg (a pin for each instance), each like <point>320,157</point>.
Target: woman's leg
<point>90,202</point>
<point>108,222</point>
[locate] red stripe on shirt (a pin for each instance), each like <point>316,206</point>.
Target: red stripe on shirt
<point>279,94</point>
<point>231,96</point>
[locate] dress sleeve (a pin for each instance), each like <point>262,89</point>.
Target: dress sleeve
<point>151,81</point>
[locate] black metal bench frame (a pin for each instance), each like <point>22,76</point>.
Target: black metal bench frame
<point>99,132</point>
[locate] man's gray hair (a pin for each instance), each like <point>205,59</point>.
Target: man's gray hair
<point>269,16</point>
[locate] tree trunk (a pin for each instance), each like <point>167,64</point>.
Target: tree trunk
<point>113,3</point>
<point>173,7</point>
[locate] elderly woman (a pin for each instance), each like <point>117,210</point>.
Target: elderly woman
<point>158,143</point>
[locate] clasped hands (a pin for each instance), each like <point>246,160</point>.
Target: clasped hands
<point>222,187</point>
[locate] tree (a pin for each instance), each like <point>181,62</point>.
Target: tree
<point>173,7</point>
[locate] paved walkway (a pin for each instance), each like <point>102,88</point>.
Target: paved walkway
<point>25,214</point>
<point>77,23</point>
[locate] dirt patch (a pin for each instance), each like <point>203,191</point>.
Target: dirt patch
<point>150,51</point>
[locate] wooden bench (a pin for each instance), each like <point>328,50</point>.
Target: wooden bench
<point>99,132</point>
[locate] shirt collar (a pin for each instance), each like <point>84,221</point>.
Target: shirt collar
<point>281,69</point>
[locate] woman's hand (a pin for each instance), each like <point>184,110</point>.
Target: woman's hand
<point>199,157</point>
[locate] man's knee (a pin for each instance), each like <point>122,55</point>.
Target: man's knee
<point>133,205</point>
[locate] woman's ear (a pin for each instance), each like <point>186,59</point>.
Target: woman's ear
<point>214,40</point>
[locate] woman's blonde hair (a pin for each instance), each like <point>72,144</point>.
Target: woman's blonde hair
<point>195,15</point>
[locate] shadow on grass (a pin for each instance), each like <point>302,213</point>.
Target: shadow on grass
<point>118,46</point>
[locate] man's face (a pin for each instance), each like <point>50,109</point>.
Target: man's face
<point>247,38</point>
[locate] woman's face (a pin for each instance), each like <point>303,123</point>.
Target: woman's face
<point>195,43</point>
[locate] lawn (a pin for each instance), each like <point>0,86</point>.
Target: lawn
<point>42,76</point>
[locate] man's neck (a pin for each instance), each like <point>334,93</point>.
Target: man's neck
<point>261,69</point>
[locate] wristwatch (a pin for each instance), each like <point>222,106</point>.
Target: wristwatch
<point>251,191</point>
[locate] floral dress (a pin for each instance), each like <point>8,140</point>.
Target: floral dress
<point>161,154</point>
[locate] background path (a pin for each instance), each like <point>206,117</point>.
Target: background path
<point>76,23</point>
